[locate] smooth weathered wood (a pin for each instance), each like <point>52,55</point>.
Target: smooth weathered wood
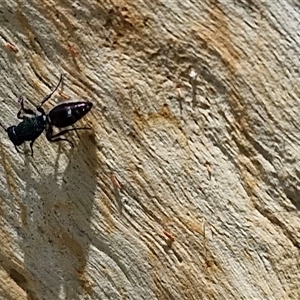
<point>188,186</point>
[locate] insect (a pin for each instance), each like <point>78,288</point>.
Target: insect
<point>33,124</point>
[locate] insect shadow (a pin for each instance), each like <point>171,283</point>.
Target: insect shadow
<point>54,224</point>
<point>34,123</point>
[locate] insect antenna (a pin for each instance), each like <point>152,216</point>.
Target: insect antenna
<point>50,95</point>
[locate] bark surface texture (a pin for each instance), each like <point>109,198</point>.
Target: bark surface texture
<point>188,185</point>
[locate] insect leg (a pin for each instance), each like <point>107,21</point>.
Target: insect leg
<point>17,149</point>
<point>27,111</point>
<point>56,137</point>
<point>41,110</point>
<point>31,145</point>
<point>49,96</point>
<point>3,127</point>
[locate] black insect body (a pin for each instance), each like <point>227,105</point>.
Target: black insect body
<point>28,130</point>
<point>64,115</point>
<point>33,124</point>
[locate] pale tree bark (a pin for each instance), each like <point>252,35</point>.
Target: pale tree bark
<point>188,184</point>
